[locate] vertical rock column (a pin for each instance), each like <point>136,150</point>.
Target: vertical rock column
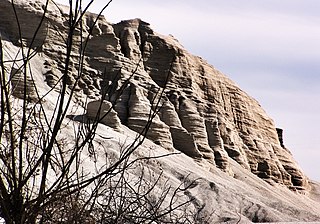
<point>216,143</point>
<point>195,125</point>
<point>182,139</point>
<point>138,117</point>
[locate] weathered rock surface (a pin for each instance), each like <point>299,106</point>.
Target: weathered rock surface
<point>21,88</point>
<point>202,113</point>
<point>224,121</point>
<point>200,104</point>
<point>102,111</point>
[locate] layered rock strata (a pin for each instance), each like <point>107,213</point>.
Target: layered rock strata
<point>202,113</point>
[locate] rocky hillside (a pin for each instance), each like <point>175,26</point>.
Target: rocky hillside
<point>203,113</point>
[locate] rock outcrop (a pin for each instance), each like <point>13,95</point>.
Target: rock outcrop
<point>103,112</point>
<point>21,88</point>
<point>223,122</point>
<point>203,113</point>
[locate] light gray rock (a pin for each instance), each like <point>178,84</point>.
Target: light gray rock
<point>139,114</point>
<point>103,112</point>
<point>222,122</point>
<point>22,85</point>
<point>203,114</point>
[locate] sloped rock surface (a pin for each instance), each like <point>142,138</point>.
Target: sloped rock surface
<point>21,88</point>
<point>102,111</point>
<point>204,114</point>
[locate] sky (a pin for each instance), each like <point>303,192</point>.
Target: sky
<point>270,48</point>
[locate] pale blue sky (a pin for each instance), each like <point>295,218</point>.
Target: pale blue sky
<point>271,48</point>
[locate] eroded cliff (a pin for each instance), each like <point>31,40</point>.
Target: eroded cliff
<point>203,113</point>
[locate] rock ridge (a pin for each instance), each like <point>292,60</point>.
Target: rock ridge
<point>204,114</point>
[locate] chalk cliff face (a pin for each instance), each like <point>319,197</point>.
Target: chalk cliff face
<point>203,114</point>
<point>220,120</point>
<point>228,143</point>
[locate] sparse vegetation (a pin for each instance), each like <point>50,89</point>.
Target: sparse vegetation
<point>49,177</point>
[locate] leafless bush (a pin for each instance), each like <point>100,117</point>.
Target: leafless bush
<point>42,173</point>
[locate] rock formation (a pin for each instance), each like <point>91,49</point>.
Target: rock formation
<point>224,122</point>
<point>17,85</point>
<point>102,111</point>
<point>195,109</point>
<point>204,114</point>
